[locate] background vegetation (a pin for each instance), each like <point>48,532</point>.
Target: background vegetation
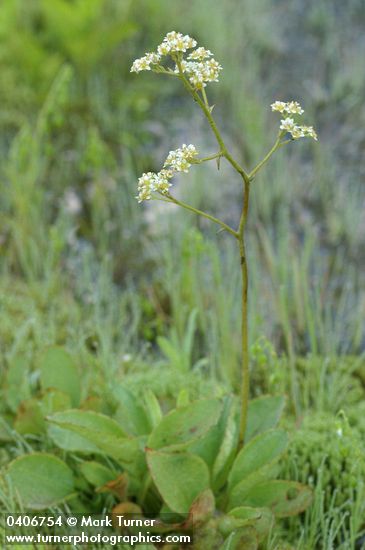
<point>148,295</point>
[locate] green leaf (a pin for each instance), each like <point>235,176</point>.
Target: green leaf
<point>210,444</point>
<point>96,474</point>
<point>100,430</point>
<point>284,498</point>
<point>263,414</point>
<point>183,399</point>
<point>30,418</point>
<point>260,451</point>
<point>71,441</point>
<point>182,426</point>
<point>227,450</point>
<point>58,371</point>
<point>202,509</point>
<point>17,387</point>
<point>54,401</point>
<point>207,446</point>
<point>262,519</point>
<point>227,523</point>
<point>179,477</point>
<point>153,407</point>
<point>40,480</point>
<point>237,496</point>
<point>31,413</point>
<point>129,413</point>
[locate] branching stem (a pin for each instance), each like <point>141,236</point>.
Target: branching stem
<point>169,198</point>
<point>239,234</point>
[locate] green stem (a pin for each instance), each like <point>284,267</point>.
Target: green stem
<point>276,146</point>
<point>204,94</point>
<point>207,111</point>
<point>240,235</point>
<point>204,159</point>
<point>245,367</point>
<point>172,199</point>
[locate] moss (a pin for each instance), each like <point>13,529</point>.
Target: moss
<point>329,455</point>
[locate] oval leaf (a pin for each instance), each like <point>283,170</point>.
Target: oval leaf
<point>40,480</point>
<point>100,430</point>
<point>184,425</point>
<point>237,496</point>
<point>260,451</point>
<point>71,441</point>
<point>284,498</point>
<point>179,477</point>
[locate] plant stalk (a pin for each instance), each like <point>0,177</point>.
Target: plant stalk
<point>245,365</point>
<point>240,235</point>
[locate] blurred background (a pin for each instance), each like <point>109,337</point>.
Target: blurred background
<point>77,129</point>
<point>147,293</point>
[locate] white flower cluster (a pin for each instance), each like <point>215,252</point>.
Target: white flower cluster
<point>199,54</point>
<point>290,107</point>
<point>201,72</point>
<point>175,42</point>
<point>297,131</point>
<point>288,124</point>
<point>178,160</point>
<point>200,67</point>
<point>144,63</point>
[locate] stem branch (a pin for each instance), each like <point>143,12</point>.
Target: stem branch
<point>276,146</point>
<point>172,199</point>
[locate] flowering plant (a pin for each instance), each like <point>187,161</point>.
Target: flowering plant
<point>195,70</point>
<point>209,464</point>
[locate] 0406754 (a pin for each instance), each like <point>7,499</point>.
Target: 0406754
<point>18,520</point>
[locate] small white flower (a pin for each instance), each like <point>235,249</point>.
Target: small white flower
<point>144,63</point>
<point>297,131</point>
<point>294,108</point>
<point>176,42</point>
<point>291,107</point>
<point>309,131</point>
<point>278,106</point>
<point>199,54</point>
<point>146,184</point>
<point>201,72</point>
<point>287,124</point>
